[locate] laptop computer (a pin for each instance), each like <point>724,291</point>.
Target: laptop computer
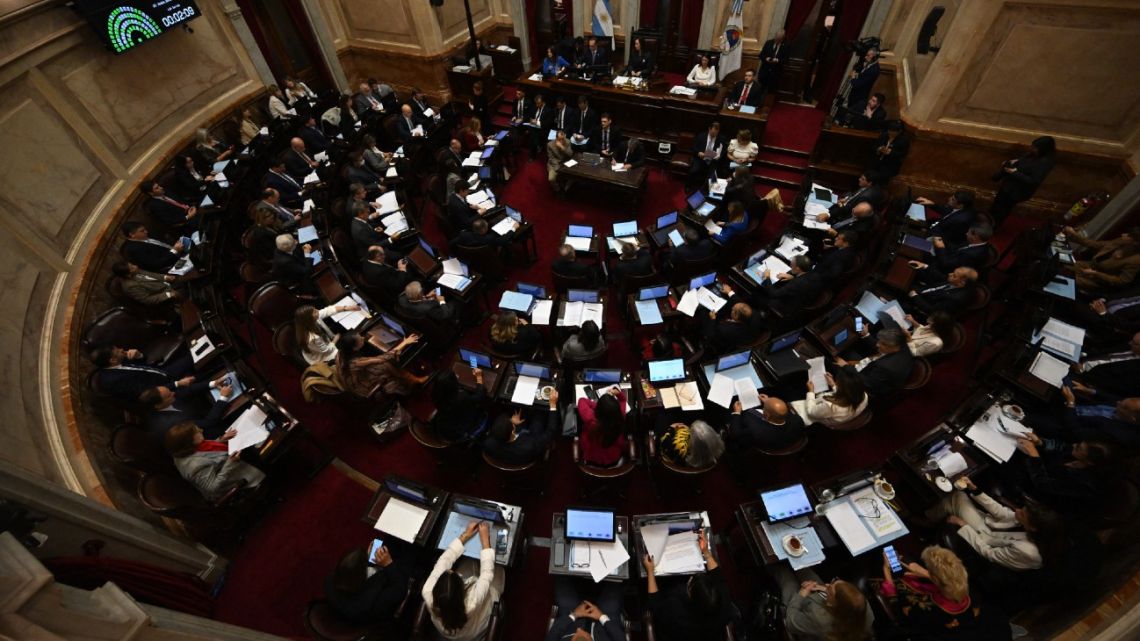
<point>579,237</point>
<point>667,370</point>
<point>780,359</point>
<point>919,243</point>
<point>666,224</point>
<point>625,229</point>
<point>538,291</point>
<point>704,280</point>
<point>654,292</point>
<point>406,490</point>
<point>731,361</point>
<point>604,376</point>
<point>699,204</point>
<point>786,503</point>
<point>582,295</point>
<point>590,524</point>
<point>481,360</point>
<point>537,370</point>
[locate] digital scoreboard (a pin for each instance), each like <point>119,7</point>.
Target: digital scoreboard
<point>124,25</point>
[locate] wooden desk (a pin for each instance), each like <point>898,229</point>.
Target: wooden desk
<point>750,515</point>
<point>595,245</point>
<point>507,388</point>
<point>559,564</point>
<point>507,65</point>
<point>429,498</point>
<point>825,333</point>
<point>462,81</point>
<point>560,315</point>
<point>491,377</point>
<point>667,306</point>
<point>679,518</point>
<point>648,398</point>
<point>512,522</point>
<point>841,154</point>
<point>916,467</point>
<point>629,184</point>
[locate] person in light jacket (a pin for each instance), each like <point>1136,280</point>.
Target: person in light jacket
<point>208,465</point>
<point>846,400</point>
<point>932,337</point>
<point>460,601</point>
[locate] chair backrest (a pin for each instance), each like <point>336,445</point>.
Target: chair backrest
<point>437,190</point>
<point>485,260</point>
<point>134,447</point>
<point>684,270</point>
<point>285,344</point>
<point>167,494</point>
<point>324,624</point>
<point>273,305</point>
<point>631,284</point>
<point>563,283</point>
<point>920,375</point>
<point>254,273</point>
<point>118,327</point>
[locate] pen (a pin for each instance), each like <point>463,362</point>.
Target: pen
<point>603,558</point>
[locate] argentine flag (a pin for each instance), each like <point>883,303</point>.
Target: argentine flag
<point>603,21</point>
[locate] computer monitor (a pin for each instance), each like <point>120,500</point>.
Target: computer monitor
<point>393,324</point>
<point>822,193</point>
<point>481,359</point>
<point>625,229</point>
<point>581,231</point>
<point>650,293</point>
<point>484,173</point>
<point>784,342</point>
<point>672,369</point>
<point>919,243</point>
<point>583,295</point>
<point>704,280</point>
<point>514,214</point>
<point>538,291</point>
<point>482,512</point>
<point>601,375</point>
<point>786,503</point>
<point>427,247</point>
<point>665,220</point>
<point>840,337</point>
<point>696,199</point>
<point>537,370</point>
<point>590,524</point>
<point>733,360</point>
<point>406,490</point>
<point>757,257</point>
<point>487,153</point>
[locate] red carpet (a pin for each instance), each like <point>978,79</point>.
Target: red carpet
<point>792,127</point>
<point>282,563</point>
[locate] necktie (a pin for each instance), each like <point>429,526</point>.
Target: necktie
<point>157,242</point>
<point>306,157</point>
<point>289,178</point>
<point>521,110</point>
<point>538,115</point>
<point>606,138</point>
<point>1102,411</point>
<point>929,290</point>
<point>561,117</point>
<point>171,201</point>
<point>375,105</point>
<point>744,94</point>
<point>140,368</point>
<point>710,146</point>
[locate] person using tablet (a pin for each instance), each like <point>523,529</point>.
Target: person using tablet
<point>460,598</point>
<point>367,586</point>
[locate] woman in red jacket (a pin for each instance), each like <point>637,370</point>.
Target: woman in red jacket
<point>603,428</point>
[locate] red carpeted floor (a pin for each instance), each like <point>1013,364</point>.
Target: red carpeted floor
<point>281,564</point>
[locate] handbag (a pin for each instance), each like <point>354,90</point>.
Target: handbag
<point>767,618</point>
<point>394,420</point>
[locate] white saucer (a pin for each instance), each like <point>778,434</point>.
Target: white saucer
<point>788,548</point>
<point>944,484</point>
<point>883,493</point>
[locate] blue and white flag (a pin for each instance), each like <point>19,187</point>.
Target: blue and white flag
<point>603,19</point>
<point>732,41</point>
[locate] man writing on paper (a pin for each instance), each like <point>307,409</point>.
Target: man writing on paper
<point>208,465</point>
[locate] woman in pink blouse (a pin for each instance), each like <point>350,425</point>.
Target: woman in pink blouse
<point>603,428</point>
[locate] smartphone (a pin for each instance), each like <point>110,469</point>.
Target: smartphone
<point>893,559</point>
<point>590,392</point>
<point>438,292</point>
<point>859,324</point>
<point>372,549</point>
<point>500,542</point>
<point>473,362</point>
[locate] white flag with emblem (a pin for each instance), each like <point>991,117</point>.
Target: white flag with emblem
<point>732,40</point>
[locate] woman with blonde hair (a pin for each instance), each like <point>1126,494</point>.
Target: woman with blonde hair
<point>741,149</point>
<point>512,336</point>
<point>934,596</point>
<point>472,135</point>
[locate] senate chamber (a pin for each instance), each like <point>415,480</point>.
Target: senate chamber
<point>609,320</point>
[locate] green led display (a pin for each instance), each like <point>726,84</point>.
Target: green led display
<point>129,27</point>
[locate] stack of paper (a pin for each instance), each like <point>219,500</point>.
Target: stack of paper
<point>579,243</point>
<point>474,159</point>
<point>717,187</point>
<point>680,554</point>
<point>308,206</point>
<point>747,393</point>
<point>250,428</point>
<point>516,301</point>
<point>312,178</point>
<point>1061,338</point>
<point>395,224</point>
<point>391,173</point>
<point>401,520</point>
<point>579,312</point>
<point>721,390</point>
<point>504,226</point>
<point>321,156</point>
<point>648,312</point>
<point>570,163</point>
<point>688,303</point>
<point>352,319</point>
<point>540,315</point>
<point>525,389</point>
<point>817,374</point>
<point>709,300</point>
<point>418,131</point>
<point>791,246</point>
<point>453,276</point>
<point>713,228</point>
<point>616,243</point>
<point>481,198</point>
<point>606,558</point>
<point>849,526</point>
<point>686,396</point>
<point>776,267</point>
<point>387,203</point>
<point>996,435</point>
<point>680,90</point>
<point>1049,369</point>
<point>811,212</point>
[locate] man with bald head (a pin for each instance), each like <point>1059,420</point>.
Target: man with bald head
<point>568,265</point>
<point>1092,415</point>
<point>952,295</point>
<point>772,426</point>
<point>406,124</point>
<point>1114,371</point>
<point>298,162</point>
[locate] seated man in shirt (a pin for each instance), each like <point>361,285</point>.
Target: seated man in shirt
<point>125,373</point>
<point>298,162</point>
<point>974,253</point>
<point>461,213</point>
<point>885,372</point>
<point>793,291</point>
<point>954,218</point>
<point>145,287</point>
<point>390,280</point>
<point>694,247</point>
<point>285,218</point>
<point>697,607</point>
<point>728,331</point>
<point>567,265</point>
<point>1114,371</point>
<point>862,221</point>
<point>772,426</point>
<point>632,261</point>
<point>409,126</point>
<point>518,440</point>
<point>867,114</point>
<point>581,620</point>
<point>293,265</point>
<point>1070,477</point>
<point>952,292</point>
<point>838,256</point>
<point>169,407</point>
<point>480,235</point>
<point>868,191</point>
<point>414,303</point>
<point>1092,416</point>
<point>167,210</point>
<point>148,253</point>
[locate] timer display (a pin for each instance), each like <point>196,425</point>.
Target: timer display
<point>123,25</point>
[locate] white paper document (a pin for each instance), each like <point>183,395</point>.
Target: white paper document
<point>353,319</point>
<point>776,266</point>
<point>570,163</point>
<point>1061,338</point>
<point>395,224</point>
<point>688,303</point>
<point>952,463</point>
<point>387,203</point>
<point>579,312</point>
<point>847,524</point>
<point>322,156</point>
<point>308,206</point>
<point>401,519</point>
<point>504,226</point>
<point>540,315</point>
<point>579,243</point>
<point>721,390</point>
<point>250,428</point>
<point>817,374</point>
<point>681,554</point>
<point>201,348</point>
<point>312,178</point>
<point>453,281</point>
<point>473,162</point>
<point>525,389</point>
<point>606,557</point>
<point>709,300</point>
<point>713,228</point>
<point>516,301</point>
<point>648,312</point>
<point>747,393</point>
<point>790,247</point>
<point>1049,369</point>
<point>391,173</point>
<point>996,435</point>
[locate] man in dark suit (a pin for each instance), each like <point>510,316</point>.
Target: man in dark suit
<point>1019,179</point>
<point>315,139</point>
<point>582,620</point>
<point>863,77</point>
<point>379,274</point>
<point>406,125</point>
<point>746,92</point>
<point>522,109</point>
<point>1113,316</point>
<point>695,247</point>
<point>360,229</point>
<point>974,253</point>
<point>292,191</point>
<point>630,153</point>
<point>420,105</point>
<point>194,403</point>
<point>772,426</point>
<point>1094,417</point>
<point>708,154</point>
<point>539,123</point>
<point>125,374</point>
<point>415,304</point>
<point>367,106</point>
<point>356,172</point>
<point>605,138</point>
<point>293,265</point>
<point>593,55</point>
<point>772,57</point>
<point>518,440</point>
<point>455,152</point>
<point>891,149</point>
<point>954,218</point>
<point>461,213</point>
<point>953,294</point>
<point>565,116</point>
<point>868,191</point>
<point>1114,371</point>
<point>862,221</point>
<point>567,265</point>
<point>727,332</point>
<point>869,114</point>
<point>632,261</point>
<point>384,93</point>
<point>886,371</point>
<point>792,292</point>
<point>839,257</point>
<point>298,162</point>
<point>480,235</point>
<point>167,210</point>
<point>583,124</point>
<point>144,251</point>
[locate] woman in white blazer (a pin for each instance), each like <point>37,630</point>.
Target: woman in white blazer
<point>460,605</point>
<point>703,74</point>
<point>846,400</point>
<point>932,337</point>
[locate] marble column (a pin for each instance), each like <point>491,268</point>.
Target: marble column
<point>630,19</point>
<point>578,17</point>
<point>325,40</point>
<point>779,17</point>
<point>519,21</point>
<point>709,36</point>
<point>1116,210</point>
<point>233,12</point>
